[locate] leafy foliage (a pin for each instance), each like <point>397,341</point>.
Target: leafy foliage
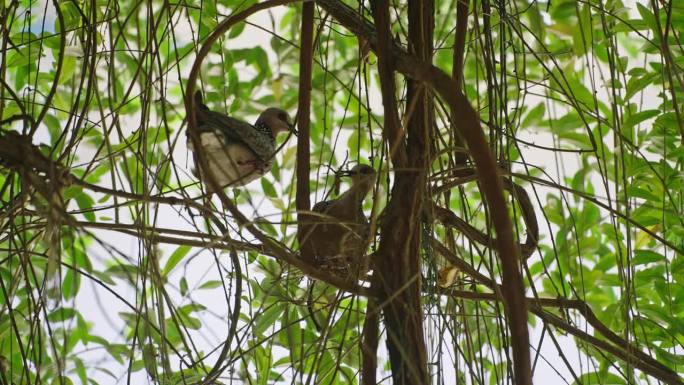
<point>580,103</point>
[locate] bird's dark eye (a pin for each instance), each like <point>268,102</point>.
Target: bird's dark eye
<point>282,116</point>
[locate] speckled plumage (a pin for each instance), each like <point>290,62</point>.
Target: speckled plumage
<point>236,152</point>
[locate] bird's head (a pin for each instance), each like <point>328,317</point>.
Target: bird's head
<point>362,175</point>
<point>277,120</point>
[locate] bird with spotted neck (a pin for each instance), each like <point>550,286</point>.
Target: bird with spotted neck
<point>336,233</point>
<point>237,152</point>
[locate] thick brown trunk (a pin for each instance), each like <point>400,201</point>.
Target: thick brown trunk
<point>490,179</point>
<point>399,271</point>
<point>398,266</point>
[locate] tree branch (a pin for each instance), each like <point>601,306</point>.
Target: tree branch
<point>304,116</point>
<point>393,130</point>
<point>457,69</point>
<point>398,261</point>
<point>490,181</point>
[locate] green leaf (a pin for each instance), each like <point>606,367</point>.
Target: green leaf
<point>582,35</point>
<point>638,192</point>
<point>183,285</point>
<point>189,322</point>
<point>71,284</point>
<point>62,314</point>
<point>599,378</point>
<point>642,257</point>
<point>268,188</point>
<point>72,192</point>
<point>62,380</point>
<point>263,358</point>
<point>236,30</point>
<point>639,117</point>
<point>68,69</point>
<point>19,58</point>
<point>85,203</point>
<point>192,307</point>
<point>267,226</point>
<point>648,17</point>
<point>104,277</point>
<point>81,370</point>
<point>175,258</point>
<point>211,284</point>
<point>638,83</point>
<point>268,318</point>
<point>672,359</point>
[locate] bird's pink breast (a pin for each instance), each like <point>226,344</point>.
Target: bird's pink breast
<point>231,164</point>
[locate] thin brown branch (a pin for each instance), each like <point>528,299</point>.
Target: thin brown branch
<point>459,40</point>
<point>370,340</point>
<point>303,114</point>
<point>563,303</point>
<point>175,237</point>
<point>594,200</point>
<point>650,366</point>
<point>449,218</point>
<point>393,130</point>
<point>58,69</point>
<point>457,69</point>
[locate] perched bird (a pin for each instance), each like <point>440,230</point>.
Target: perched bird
<point>237,152</point>
<point>336,237</point>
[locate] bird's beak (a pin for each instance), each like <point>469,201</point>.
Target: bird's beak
<point>344,173</point>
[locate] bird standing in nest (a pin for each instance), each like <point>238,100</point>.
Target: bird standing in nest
<point>336,236</point>
<point>237,152</point>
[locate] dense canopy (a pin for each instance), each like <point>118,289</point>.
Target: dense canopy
<point>525,220</point>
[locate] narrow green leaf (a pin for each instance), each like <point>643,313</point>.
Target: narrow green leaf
<point>599,379</point>
<point>639,117</point>
<point>189,322</point>
<point>236,30</point>
<point>268,188</point>
<point>62,380</point>
<point>175,258</point>
<point>71,284</point>
<point>211,284</point>
<point>268,318</point>
<point>648,17</point>
<point>183,285</point>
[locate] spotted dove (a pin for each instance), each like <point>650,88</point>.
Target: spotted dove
<point>237,152</point>
<point>336,236</point>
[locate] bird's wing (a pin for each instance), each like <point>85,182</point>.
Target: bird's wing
<point>234,130</point>
<point>321,207</point>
